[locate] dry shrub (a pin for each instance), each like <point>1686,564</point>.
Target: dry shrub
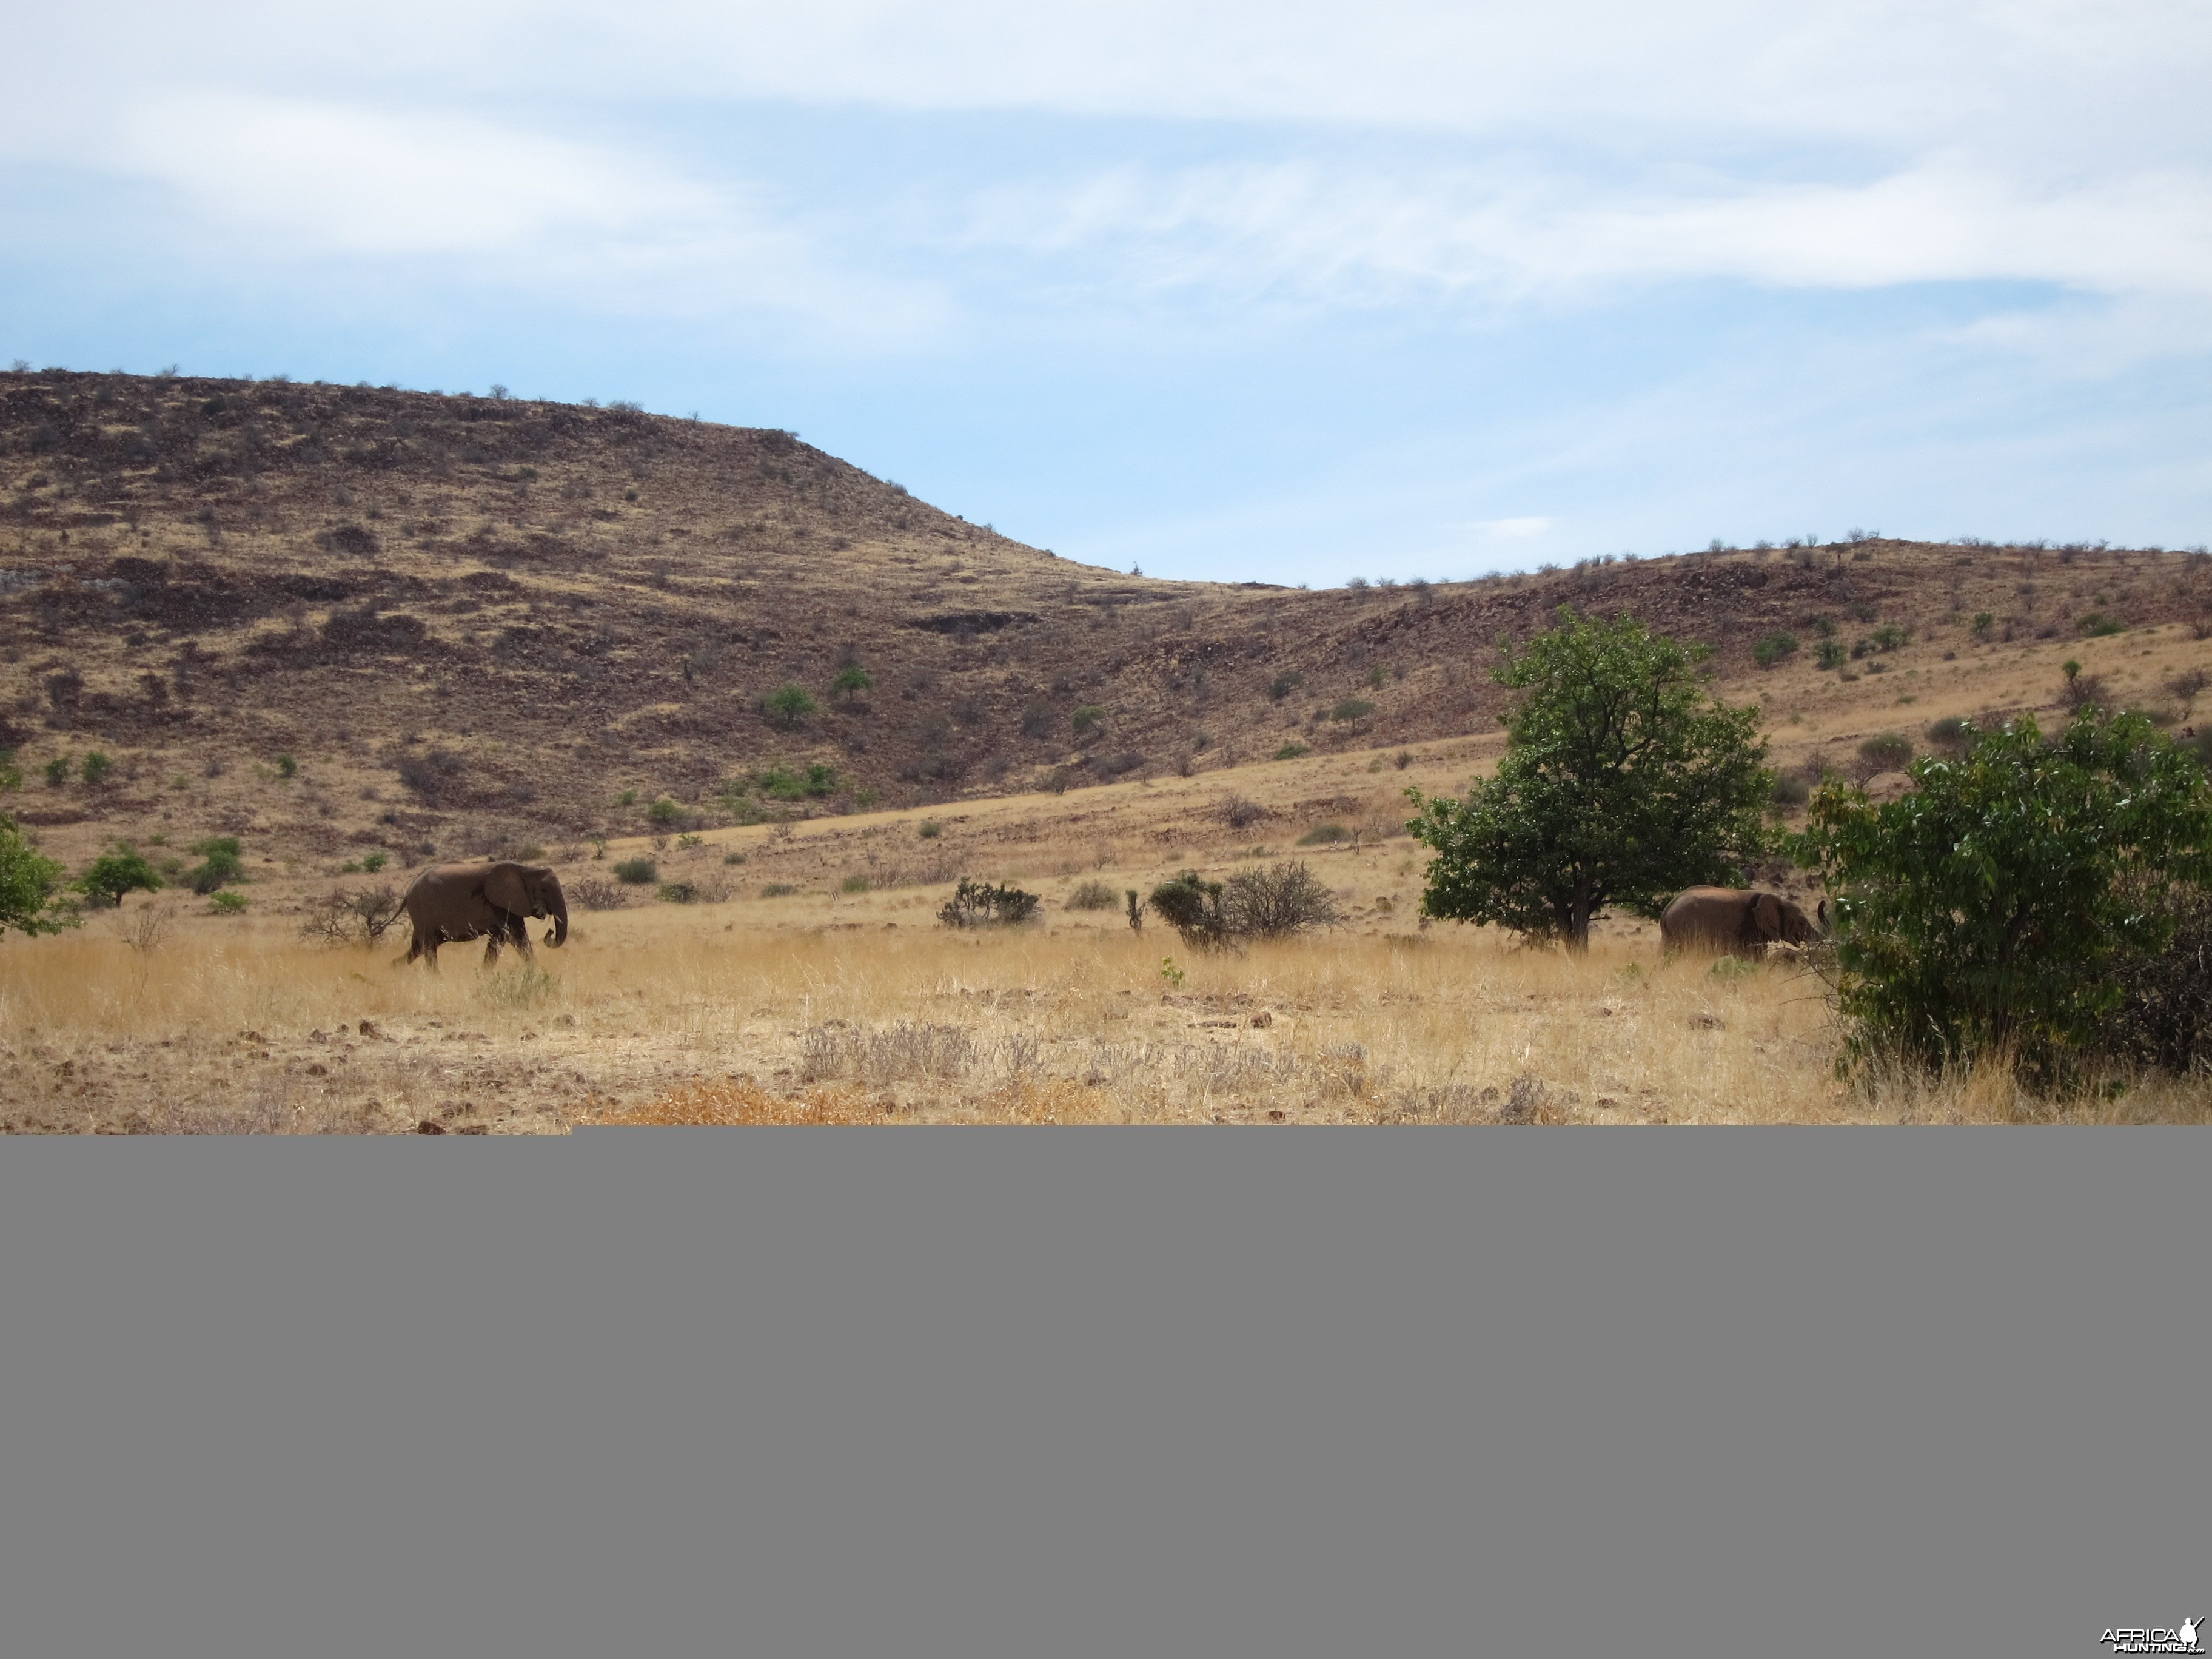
<point>596,893</point>
<point>900,1054</point>
<point>353,916</point>
<point>1051,1100</point>
<point>1093,895</point>
<point>740,1100</point>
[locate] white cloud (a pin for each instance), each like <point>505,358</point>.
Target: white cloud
<point>1348,235</point>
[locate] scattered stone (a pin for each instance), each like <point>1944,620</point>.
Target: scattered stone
<point>368,1028</point>
<point>319,1070</point>
<point>428,1126</point>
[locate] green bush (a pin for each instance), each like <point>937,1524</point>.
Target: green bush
<point>2100,624</point>
<point>29,882</point>
<point>112,875</point>
<point>1191,906</point>
<point>1351,708</point>
<point>1323,834</point>
<point>1292,752</point>
<point>286,767</point>
<point>636,873</point>
<point>57,771</point>
<point>787,705</point>
<point>1889,637</point>
<point>1984,622</point>
<point>1283,684</point>
<point>674,892</point>
<point>1982,912</point>
<point>227,904</point>
<point>978,904</point>
<point>854,884</point>
<point>778,890</point>
<point>852,680</point>
<point>372,862</point>
<point>1831,654</point>
<point>1770,648</point>
<point>733,858</point>
<point>1789,792</point>
<point>222,864</point>
<point>930,829</point>
<point>1093,895</point>
<point>1088,718</point>
<point>662,812</point>
<point>97,767</point>
<point>781,783</point>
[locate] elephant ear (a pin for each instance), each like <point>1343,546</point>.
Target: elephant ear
<point>1767,915</point>
<point>504,888</point>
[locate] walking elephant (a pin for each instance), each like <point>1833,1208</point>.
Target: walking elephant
<point>1726,919</point>
<point>448,903</point>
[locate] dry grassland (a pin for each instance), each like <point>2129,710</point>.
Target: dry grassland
<point>733,1013</point>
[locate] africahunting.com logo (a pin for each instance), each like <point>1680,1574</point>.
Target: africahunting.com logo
<point>2182,1639</point>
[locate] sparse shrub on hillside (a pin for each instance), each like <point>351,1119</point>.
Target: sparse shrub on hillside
<point>1239,813</point>
<point>851,681</point>
<point>1886,751</point>
<point>2080,690</point>
<point>679,892</point>
<point>1889,637</point>
<point>1772,649</point>
<point>1323,834</point>
<point>663,811</point>
<point>109,876</point>
<point>2185,685</point>
<point>594,893</point>
<point>783,783</point>
<point>97,767</point>
<point>1113,764</point>
<point>1093,895</point>
<point>1275,901</point>
<point>1983,913</point>
<point>227,904</point>
<point>1789,792</point>
<point>57,771</point>
<point>1040,719</point>
<point>432,775</point>
<point>1088,719</point>
<point>2100,624</point>
<point>1950,734</point>
<point>1351,708</point>
<point>636,873</point>
<point>979,904</point>
<point>787,705</point>
<point>353,915</point>
<point>1984,622</point>
<point>222,864</point>
<point>778,890</point>
<point>1292,752</point>
<point>854,884</point>
<point>930,829</point>
<point>1283,684</point>
<point>1831,654</point>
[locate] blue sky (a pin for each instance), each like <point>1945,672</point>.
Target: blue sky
<point>1292,292</point>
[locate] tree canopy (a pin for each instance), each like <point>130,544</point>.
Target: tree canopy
<point>28,884</point>
<point>1621,784</point>
<point>1985,909</point>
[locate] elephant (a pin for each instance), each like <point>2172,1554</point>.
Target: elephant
<point>1726,919</point>
<point>487,900</point>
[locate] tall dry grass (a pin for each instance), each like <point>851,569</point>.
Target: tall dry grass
<point>723,1014</point>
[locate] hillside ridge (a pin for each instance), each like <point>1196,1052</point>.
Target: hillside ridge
<point>472,623</point>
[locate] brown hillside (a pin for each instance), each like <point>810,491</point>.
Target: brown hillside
<point>474,624</point>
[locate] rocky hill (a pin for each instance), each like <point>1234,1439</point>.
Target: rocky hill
<point>342,618</point>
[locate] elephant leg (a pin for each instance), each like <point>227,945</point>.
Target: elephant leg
<point>491,947</point>
<point>521,937</point>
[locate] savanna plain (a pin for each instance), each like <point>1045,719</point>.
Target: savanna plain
<point>353,631</point>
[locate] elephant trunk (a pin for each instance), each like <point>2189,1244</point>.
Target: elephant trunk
<point>557,905</point>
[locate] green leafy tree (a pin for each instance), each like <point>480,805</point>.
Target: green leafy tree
<point>852,680</point>
<point>1982,912</point>
<point>1622,783</point>
<point>28,884</point>
<point>787,705</point>
<point>113,874</point>
<point>12,776</point>
<point>97,766</point>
